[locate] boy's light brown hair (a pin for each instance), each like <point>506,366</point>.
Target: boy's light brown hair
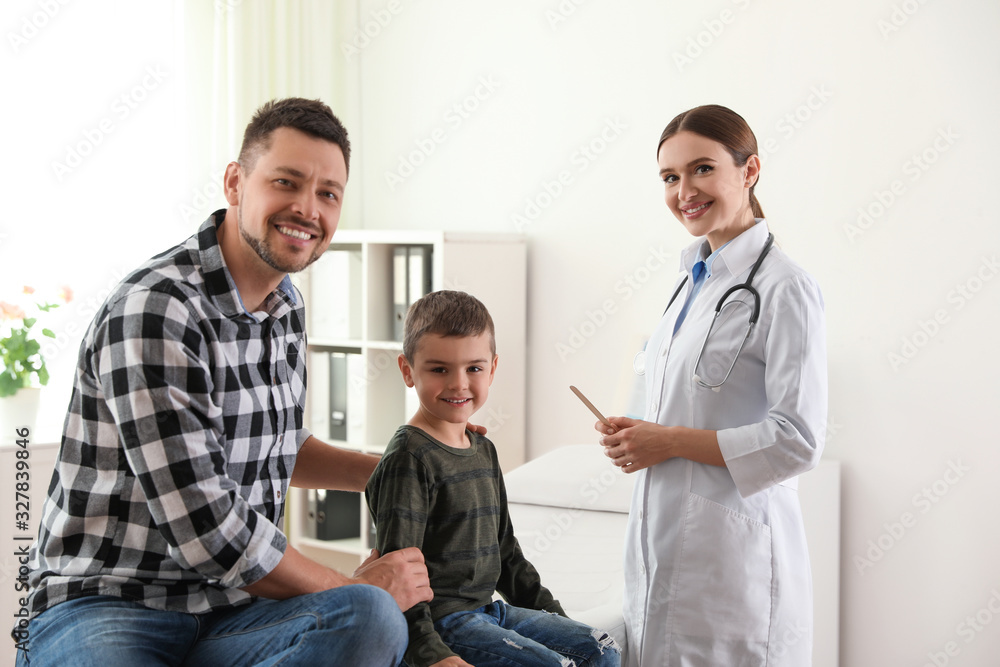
<point>446,313</point>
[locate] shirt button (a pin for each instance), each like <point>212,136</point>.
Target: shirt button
<point>279,494</point>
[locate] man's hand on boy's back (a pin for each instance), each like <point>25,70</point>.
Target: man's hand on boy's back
<point>402,574</point>
<point>481,430</point>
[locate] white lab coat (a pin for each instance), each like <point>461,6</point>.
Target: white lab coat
<point>716,567</point>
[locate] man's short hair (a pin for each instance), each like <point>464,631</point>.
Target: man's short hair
<point>446,313</point>
<point>312,117</point>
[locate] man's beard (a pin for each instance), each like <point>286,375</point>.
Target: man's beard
<point>263,249</point>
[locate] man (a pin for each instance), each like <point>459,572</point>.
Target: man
<point>160,541</point>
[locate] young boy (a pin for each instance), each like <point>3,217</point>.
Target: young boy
<point>439,488</point>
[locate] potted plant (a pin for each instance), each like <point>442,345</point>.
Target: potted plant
<point>22,366</point>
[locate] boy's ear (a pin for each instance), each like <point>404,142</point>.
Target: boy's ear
<point>493,368</point>
<point>404,368</point>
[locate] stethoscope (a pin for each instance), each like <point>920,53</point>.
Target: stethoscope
<point>639,361</point>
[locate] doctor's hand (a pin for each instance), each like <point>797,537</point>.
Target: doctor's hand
<point>636,444</point>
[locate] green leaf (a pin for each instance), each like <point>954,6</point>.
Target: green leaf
<point>29,322</point>
<point>15,348</point>
<point>9,385</point>
<point>48,332</point>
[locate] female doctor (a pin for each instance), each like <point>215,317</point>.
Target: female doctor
<point>716,567</point>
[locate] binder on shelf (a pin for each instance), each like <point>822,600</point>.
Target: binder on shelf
<point>346,409</point>
<point>400,294</point>
<point>357,387</point>
<point>333,515</point>
<point>337,276</point>
<point>338,396</point>
<point>419,282</point>
<point>319,394</point>
<point>309,529</point>
<point>412,276</point>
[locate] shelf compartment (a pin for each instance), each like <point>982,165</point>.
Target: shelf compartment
<point>350,545</point>
<point>336,397</point>
<point>335,310</point>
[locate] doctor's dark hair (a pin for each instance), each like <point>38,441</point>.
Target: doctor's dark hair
<point>725,126</point>
<point>312,117</point>
<point>446,313</point>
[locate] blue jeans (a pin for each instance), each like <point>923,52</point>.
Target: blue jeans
<point>501,635</point>
<point>355,625</point>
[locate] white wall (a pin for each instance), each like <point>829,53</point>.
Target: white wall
<point>90,180</point>
<point>878,100</point>
<point>841,99</point>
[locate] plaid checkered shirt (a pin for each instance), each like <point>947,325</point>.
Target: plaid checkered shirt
<point>179,444</point>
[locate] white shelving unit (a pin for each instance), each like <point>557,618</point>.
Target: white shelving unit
<point>351,311</point>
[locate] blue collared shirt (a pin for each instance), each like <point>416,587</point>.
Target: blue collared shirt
<point>285,286</point>
<point>700,272</point>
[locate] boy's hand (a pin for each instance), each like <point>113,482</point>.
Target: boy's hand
<point>481,430</point>
<point>402,574</point>
<point>453,661</point>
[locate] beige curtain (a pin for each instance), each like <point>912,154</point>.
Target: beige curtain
<point>241,53</point>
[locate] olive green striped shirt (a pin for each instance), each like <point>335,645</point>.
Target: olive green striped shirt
<point>452,505</point>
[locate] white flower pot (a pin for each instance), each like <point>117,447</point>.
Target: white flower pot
<point>19,411</point>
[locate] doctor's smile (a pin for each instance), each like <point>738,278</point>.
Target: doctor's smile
<point>695,211</point>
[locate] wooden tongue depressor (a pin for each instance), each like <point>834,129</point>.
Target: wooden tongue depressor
<point>597,413</point>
